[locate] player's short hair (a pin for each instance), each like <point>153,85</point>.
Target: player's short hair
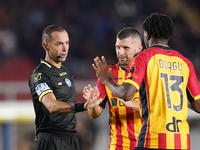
<point>47,32</point>
<point>159,26</point>
<point>127,32</point>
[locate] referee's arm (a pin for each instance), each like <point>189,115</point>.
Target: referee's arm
<point>54,106</point>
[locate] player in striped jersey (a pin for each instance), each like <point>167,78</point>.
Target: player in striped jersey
<point>125,123</point>
<point>165,79</point>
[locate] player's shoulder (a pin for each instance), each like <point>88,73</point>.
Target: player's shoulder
<point>114,66</point>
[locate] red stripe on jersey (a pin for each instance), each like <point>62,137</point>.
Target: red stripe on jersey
<point>130,124</point>
<point>147,142</point>
<point>162,141</point>
<point>118,128</point>
<point>177,141</point>
<point>188,142</point>
<point>119,148</point>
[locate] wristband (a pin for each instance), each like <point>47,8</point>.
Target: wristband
<point>77,107</point>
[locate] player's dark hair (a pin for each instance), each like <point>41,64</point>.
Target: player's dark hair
<point>159,26</point>
<point>127,32</point>
<point>46,34</point>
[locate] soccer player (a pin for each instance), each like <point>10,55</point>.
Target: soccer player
<point>165,79</point>
<point>125,123</point>
<point>54,96</point>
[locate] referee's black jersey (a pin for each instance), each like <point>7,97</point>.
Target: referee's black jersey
<point>47,78</point>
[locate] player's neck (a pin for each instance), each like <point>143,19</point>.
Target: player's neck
<point>154,41</point>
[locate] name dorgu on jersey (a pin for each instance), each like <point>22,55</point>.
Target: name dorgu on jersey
<point>170,65</point>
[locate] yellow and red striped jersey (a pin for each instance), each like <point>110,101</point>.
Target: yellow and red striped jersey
<point>125,123</point>
<point>165,78</point>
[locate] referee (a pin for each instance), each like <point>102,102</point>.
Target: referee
<point>54,96</point>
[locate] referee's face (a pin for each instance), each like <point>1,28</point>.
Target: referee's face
<point>58,47</point>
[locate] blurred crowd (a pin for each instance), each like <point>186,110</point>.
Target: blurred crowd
<point>92,27</point>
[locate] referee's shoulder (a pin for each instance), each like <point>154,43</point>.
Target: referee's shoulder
<point>40,69</point>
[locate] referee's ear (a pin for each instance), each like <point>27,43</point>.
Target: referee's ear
<point>44,45</point>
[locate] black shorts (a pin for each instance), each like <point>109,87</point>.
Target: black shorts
<point>49,141</point>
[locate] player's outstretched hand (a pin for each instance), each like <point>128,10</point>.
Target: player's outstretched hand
<point>101,69</point>
<point>91,96</point>
<point>86,92</point>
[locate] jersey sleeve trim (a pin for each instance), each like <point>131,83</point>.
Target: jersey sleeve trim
<point>132,82</point>
<point>197,97</point>
<point>44,93</point>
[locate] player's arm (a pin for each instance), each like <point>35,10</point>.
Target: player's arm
<point>193,90</point>
<point>95,112</point>
<point>195,105</point>
<point>124,91</point>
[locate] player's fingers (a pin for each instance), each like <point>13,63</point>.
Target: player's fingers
<point>94,67</point>
<point>96,92</point>
<point>85,97</point>
<point>98,62</point>
<point>99,101</point>
<point>89,87</point>
<point>85,89</point>
<point>104,62</point>
<point>91,94</point>
<point>121,100</point>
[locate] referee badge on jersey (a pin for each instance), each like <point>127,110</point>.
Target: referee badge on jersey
<point>68,82</point>
<point>41,88</point>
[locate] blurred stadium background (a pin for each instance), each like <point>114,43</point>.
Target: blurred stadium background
<point>92,26</point>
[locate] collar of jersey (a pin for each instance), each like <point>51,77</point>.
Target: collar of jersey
<point>123,68</point>
<point>161,46</point>
<point>46,63</point>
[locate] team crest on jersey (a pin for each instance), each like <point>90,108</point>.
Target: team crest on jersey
<point>132,70</point>
<point>133,61</point>
<point>37,77</point>
<point>41,88</point>
<point>68,82</point>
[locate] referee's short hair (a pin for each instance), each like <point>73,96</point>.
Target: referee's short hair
<point>46,34</point>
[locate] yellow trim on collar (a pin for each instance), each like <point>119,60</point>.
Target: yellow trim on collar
<point>46,64</point>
